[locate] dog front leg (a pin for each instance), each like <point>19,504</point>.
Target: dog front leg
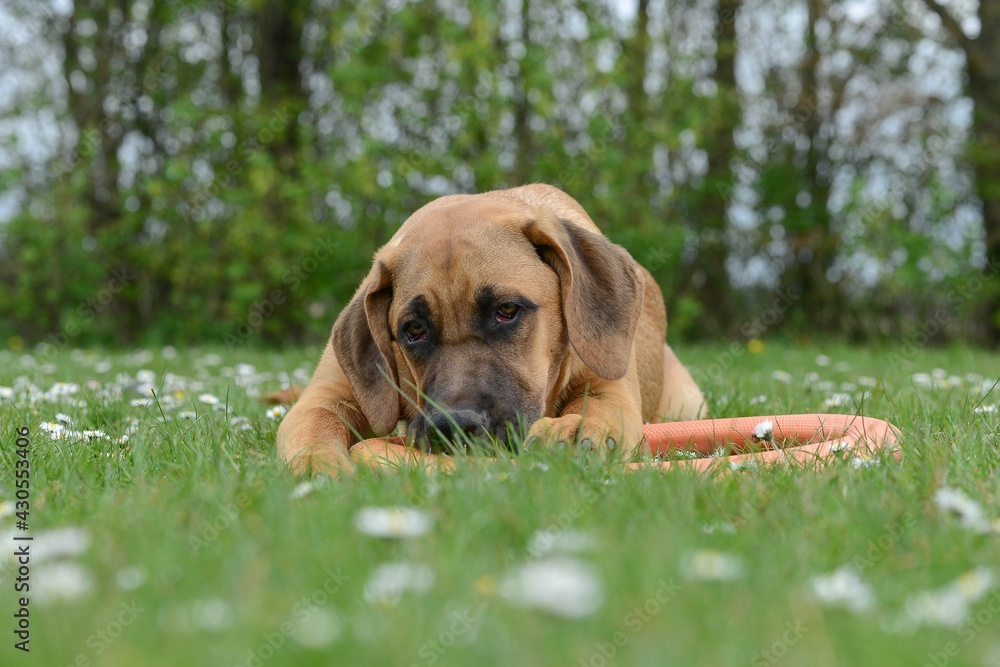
<point>319,429</point>
<point>605,415</point>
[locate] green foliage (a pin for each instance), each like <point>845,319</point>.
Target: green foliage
<point>241,179</point>
<point>193,521</point>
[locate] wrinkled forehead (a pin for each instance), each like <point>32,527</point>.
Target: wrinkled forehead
<point>452,214</point>
<point>454,260</point>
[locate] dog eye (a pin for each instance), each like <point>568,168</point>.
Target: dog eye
<point>507,312</point>
<point>414,332</point>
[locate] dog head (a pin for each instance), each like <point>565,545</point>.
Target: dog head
<point>479,300</point>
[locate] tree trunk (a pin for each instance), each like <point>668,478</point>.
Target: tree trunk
<point>816,244</point>
<point>709,282</point>
<point>522,107</point>
<point>95,154</point>
<point>282,94</point>
<point>984,89</point>
<point>635,56</point>
<point>982,56</point>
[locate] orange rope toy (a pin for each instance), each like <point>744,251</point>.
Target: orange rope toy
<point>815,436</point>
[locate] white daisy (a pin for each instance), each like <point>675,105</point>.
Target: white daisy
<point>209,399</point>
<point>302,490</point>
<point>55,429</point>
<point>970,513</point>
<point>986,409</point>
<point>240,424</point>
<point>187,414</point>
<point>6,393</point>
<point>319,628</point>
<point>392,522</point>
<point>764,431</point>
<point>276,412</point>
<point>6,509</point>
<point>211,359</point>
<point>949,606</point>
<point>974,584</point>
<point>686,454</point>
<point>61,582</point>
<point>130,578</point>
<point>139,358</point>
<point>822,360</point>
<point>781,376</point>
<point>63,419</point>
<point>68,541</point>
<point>711,565</point>
<point>212,614</point>
<point>60,389</point>
<point>843,587</point>
<point>145,376</point>
<point>838,399</point>
<point>562,586</point>
<point>245,370</point>
<point>389,581</point>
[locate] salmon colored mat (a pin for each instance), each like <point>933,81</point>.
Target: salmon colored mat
<point>796,438</point>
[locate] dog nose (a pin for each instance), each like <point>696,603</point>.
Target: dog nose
<point>455,423</point>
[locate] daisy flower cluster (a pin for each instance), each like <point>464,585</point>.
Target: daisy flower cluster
<point>852,393</point>
<point>552,579</point>
<point>57,574</point>
<point>948,606</point>
<point>846,394</point>
<point>72,411</point>
<point>390,581</point>
<point>969,513</point>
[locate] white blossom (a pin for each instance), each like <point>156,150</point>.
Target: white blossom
<point>390,581</point>
<point>561,586</point>
<point>843,587</point>
<point>764,431</point>
<point>949,606</point>
<point>276,412</point>
<point>711,565</point>
<point>393,522</point>
<point>970,513</point>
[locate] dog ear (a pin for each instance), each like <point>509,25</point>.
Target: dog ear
<point>601,292</point>
<point>363,347</point>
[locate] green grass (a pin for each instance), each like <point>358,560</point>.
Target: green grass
<point>199,554</point>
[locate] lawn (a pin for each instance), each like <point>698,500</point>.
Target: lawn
<point>167,533</point>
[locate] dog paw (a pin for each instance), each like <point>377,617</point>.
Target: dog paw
<point>325,459</point>
<point>573,430</point>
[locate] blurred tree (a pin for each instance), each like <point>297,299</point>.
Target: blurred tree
<point>982,58</point>
<point>813,241</point>
<point>238,163</point>
<point>707,202</point>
